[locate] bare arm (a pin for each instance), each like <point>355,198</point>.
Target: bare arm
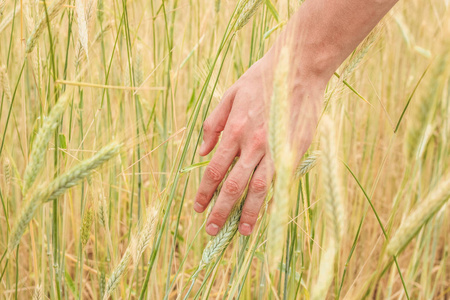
<point>320,36</point>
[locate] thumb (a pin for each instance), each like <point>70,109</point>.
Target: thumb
<point>215,123</point>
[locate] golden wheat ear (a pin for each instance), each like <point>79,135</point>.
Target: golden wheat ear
<point>420,215</point>
<point>52,11</point>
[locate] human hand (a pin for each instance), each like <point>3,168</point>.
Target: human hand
<point>242,116</point>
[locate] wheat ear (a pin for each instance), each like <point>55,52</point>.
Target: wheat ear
<point>146,234</point>
<point>8,19</point>
<point>57,187</point>
<point>421,214</point>
<point>85,231</point>
<point>4,82</point>
<point>139,242</point>
<point>102,212</point>
<point>246,12</point>
<point>307,164</point>
<point>42,139</point>
<point>333,202</point>
<point>38,293</point>
<point>219,242</point>
<point>2,6</point>
<point>282,157</point>
<point>52,11</point>
<point>333,210</point>
<point>119,270</point>
<point>326,273</point>
<point>83,38</point>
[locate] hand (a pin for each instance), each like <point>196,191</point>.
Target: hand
<point>242,116</point>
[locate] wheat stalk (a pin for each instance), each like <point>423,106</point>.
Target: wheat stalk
<point>421,214</point>
<point>57,187</point>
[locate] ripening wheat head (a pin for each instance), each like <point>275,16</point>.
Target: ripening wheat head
<point>425,210</point>
<point>219,242</point>
<point>4,82</point>
<point>246,11</point>
<point>333,209</point>
<point>2,6</point>
<point>42,139</point>
<point>56,188</point>
<point>8,19</point>
<point>333,201</point>
<point>119,270</point>
<point>139,242</point>
<point>52,11</point>
<point>281,152</point>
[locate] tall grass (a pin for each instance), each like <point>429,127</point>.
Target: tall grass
<point>365,215</point>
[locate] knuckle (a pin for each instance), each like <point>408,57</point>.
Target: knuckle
<point>213,173</point>
<point>259,139</point>
<point>202,198</point>
<point>237,128</point>
<point>258,185</point>
<point>231,187</point>
<point>219,216</point>
<point>250,214</point>
<point>207,126</point>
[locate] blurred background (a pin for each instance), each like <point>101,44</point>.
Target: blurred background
<point>146,74</point>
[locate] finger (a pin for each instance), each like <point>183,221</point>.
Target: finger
<point>215,123</point>
<point>257,191</point>
<point>232,190</point>
<point>215,172</point>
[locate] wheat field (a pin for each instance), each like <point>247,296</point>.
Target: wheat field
<point>102,105</point>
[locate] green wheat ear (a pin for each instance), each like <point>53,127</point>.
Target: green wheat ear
<point>334,214</point>
<point>56,188</point>
<point>42,139</point>
<point>420,215</point>
<point>52,11</point>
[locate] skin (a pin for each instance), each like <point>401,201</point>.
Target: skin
<point>320,35</point>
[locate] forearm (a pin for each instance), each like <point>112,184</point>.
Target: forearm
<point>323,33</point>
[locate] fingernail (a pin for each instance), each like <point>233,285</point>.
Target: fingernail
<point>198,207</point>
<point>212,229</point>
<point>246,229</point>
